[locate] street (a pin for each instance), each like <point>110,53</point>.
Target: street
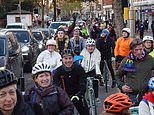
<point>102,93</point>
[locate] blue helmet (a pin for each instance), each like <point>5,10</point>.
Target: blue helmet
<point>105,31</point>
<point>151,83</point>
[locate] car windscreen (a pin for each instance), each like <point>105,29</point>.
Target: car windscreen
<point>2,47</point>
<point>38,36</point>
<point>22,36</point>
<point>14,26</point>
<point>56,25</point>
<point>46,33</point>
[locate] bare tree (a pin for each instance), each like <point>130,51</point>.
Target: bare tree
<point>118,16</point>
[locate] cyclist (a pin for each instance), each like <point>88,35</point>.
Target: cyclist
<point>71,77</point>
<point>46,98</point>
<point>11,99</point>
<point>91,63</point>
<point>117,104</point>
<point>146,106</point>
<point>122,47</point>
<point>133,71</point>
<point>105,46</point>
<point>50,56</point>
<point>62,40</point>
<point>77,42</point>
<point>148,43</point>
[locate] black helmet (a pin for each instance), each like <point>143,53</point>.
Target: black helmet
<point>67,52</point>
<point>7,78</point>
<point>60,29</point>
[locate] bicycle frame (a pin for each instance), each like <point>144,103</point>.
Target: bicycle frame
<point>91,96</point>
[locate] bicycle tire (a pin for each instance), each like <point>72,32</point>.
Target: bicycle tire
<point>92,107</point>
<point>106,87</point>
<point>106,76</point>
<point>91,98</point>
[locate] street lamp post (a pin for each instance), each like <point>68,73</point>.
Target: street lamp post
<point>132,19</point>
<point>54,4</point>
<point>43,4</point>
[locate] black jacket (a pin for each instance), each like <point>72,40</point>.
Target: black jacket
<point>74,80</point>
<point>21,108</point>
<point>106,47</point>
<point>54,102</point>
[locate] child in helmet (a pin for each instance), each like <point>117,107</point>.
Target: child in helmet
<point>148,43</point>
<point>117,104</point>
<point>11,99</point>
<point>47,99</point>
<point>146,106</point>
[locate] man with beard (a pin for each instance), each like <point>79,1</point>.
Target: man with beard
<point>104,45</point>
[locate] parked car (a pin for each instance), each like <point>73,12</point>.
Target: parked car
<point>10,54</point>
<point>29,46</point>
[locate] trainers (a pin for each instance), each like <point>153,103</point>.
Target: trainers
<point>97,100</point>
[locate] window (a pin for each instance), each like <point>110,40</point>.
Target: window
<point>2,47</point>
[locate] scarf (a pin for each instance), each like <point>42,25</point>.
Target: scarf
<point>148,96</point>
<point>44,91</point>
<point>129,64</point>
<point>66,40</point>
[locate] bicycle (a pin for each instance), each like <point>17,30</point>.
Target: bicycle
<point>106,75</point>
<point>91,96</point>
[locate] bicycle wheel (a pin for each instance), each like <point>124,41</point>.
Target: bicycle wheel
<point>92,103</point>
<point>106,75</point>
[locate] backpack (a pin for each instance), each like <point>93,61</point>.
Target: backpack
<point>145,101</point>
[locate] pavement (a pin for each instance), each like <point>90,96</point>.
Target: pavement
<point>146,33</point>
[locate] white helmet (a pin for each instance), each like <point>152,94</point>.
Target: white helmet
<point>90,41</point>
<point>148,38</point>
<point>41,67</point>
<point>51,42</point>
<point>126,30</point>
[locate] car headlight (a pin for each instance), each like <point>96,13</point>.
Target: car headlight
<point>2,68</point>
<point>25,49</point>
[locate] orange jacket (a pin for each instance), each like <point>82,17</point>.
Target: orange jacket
<point>122,47</point>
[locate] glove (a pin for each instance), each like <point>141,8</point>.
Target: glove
<point>75,99</point>
<point>98,76</point>
<point>117,58</point>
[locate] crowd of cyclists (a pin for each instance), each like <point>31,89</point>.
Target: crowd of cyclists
<point>60,84</point>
